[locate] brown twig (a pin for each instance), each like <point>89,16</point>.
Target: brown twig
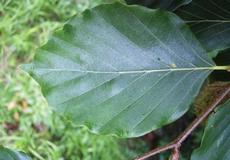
<point>175,154</point>
<point>175,145</point>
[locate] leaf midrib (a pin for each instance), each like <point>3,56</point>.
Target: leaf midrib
<point>136,71</point>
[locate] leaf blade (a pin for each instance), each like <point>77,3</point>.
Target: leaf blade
<point>9,154</point>
<point>112,72</point>
<point>210,21</point>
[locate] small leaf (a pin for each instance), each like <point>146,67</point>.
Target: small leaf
<point>210,22</point>
<point>216,141</point>
<point>123,70</point>
<point>8,154</point>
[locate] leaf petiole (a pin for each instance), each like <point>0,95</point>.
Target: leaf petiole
<point>227,68</point>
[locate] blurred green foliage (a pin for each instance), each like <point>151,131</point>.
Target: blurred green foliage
<point>25,24</point>
<point>26,122</point>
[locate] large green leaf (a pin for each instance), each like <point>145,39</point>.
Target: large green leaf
<point>123,70</point>
<point>8,154</point>
<point>210,22</point>
<point>163,4</point>
<point>216,140</point>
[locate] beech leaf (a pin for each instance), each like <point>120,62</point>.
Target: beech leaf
<point>210,22</point>
<point>8,154</point>
<point>122,70</point>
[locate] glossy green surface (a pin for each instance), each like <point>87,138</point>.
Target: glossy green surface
<point>123,70</point>
<point>8,154</point>
<point>210,22</point>
<point>216,140</point>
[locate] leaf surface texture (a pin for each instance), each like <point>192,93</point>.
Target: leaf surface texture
<point>210,22</point>
<point>123,70</point>
<point>8,154</point>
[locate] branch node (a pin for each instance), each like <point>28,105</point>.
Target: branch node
<point>175,154</point>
